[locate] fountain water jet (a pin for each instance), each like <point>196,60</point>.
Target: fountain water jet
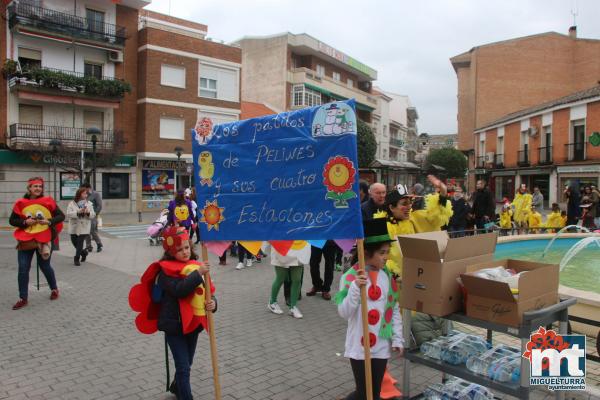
<point>560,232</point>
<point>576,248</point>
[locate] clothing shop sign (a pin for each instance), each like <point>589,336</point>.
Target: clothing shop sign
<point>289,176</point>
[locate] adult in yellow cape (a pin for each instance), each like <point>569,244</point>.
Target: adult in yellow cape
<point>522,205</point>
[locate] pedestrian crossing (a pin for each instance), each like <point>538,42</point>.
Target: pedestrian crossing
<point>127,231</point>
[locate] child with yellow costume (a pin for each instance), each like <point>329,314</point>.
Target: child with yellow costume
<point>554,220</point>
<point>535,220</point>
<point>506,218</point>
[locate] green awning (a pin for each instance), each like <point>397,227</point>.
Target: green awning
<point>362,107</point>
<point>326,92</point>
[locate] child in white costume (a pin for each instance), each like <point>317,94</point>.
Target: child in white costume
<point>385,322</point>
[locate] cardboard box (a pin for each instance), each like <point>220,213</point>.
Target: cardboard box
<point>432,262</point>
<point>493,301</point>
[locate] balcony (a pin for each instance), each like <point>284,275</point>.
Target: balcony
<point>396,142</point>
<point>336,89</point>
<point>38,137</point>
<point>523,158</point>
<point>498,161</point>
<point>29,18</point>
<point>55,81</point>
<point>575,151</point>
<point>545,155</point>
<point>480,162</point>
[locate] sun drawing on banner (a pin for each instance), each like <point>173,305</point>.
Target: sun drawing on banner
<point>212,215</point>
<point>338,177</point>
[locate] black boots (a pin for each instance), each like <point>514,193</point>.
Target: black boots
<point>76,261</point>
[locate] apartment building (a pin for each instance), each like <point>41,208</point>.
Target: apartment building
<point>290,71</point>
<point>547,145</point>
<point>141,80</point>
<point>501,78</point>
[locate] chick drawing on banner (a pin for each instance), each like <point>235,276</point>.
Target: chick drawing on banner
<point>207,168</point>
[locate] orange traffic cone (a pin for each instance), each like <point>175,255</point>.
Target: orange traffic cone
<point>388,390</point>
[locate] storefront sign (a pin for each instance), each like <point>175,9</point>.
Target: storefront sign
<point>536,171</point>
<point>503,173</point>
<point>480,171</point>
<point>164,164</point>
<point>69,183</point>
<point>291,176</point>
<point>338,55</point>
<point>578,169</point>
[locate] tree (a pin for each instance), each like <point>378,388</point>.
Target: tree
<point>453,160</point>
<point>367,145</point>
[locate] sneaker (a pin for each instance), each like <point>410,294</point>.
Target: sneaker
<point>99,248</point>
<point>274,308</point>
<point>312,292</point>
<point>248,262</point>
<point>20,304</point>
<point>240,266</point>
<point>54,294</point>
<point>294,312</point>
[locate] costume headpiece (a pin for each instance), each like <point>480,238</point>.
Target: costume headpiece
<point>35,181</point>
<point>173,237</point>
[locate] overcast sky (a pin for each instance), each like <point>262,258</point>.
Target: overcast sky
<point>408,42</point>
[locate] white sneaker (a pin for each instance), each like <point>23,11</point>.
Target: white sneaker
<point>240,266</point>
<point>294,312</point>
<point>274,308</point>
<point>248,262</point>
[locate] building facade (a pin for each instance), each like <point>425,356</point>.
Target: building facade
<point>141,79</point>
<point>549,145</point>
<point>500,78</point>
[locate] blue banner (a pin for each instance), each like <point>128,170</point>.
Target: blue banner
<point>289,176</point>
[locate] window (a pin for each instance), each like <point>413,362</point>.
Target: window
<point>115,185</point>
<point>547,138</point>
<point>93,119</point>
<point>218,83</point>
<point>29,114</point>
<point>92,69</point>
<point>175,76</point>
<point>172,128</point>
<point>302,96</point>
<point>95,20</point>
<point>337,77</point>
<point>29,59</point>
<point>320,70</point>
<point>350,83</point>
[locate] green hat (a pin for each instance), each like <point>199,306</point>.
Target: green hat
<point>376,231</point>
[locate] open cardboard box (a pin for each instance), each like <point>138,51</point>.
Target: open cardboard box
<point>493,301</point>
<point>432,262</point>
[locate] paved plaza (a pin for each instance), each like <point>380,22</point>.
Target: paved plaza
<point>85,345</point>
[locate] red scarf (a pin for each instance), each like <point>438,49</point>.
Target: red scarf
<point>192,308</point>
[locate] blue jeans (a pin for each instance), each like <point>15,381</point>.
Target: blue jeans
<point>24,258</point>
<point>183,348</point>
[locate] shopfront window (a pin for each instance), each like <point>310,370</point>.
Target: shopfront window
<point>158,187</point>
<point>115,185</point>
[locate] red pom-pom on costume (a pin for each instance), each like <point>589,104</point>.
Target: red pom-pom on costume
<point>372,340</point>
<point>373,317</point>
<point>374,292</point>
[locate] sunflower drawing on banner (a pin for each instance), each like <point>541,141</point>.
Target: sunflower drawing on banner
<point>338,178</point>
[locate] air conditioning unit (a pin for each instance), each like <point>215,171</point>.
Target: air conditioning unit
<point>532,131</point>
<point>115,56</point>
<point>489,157</point>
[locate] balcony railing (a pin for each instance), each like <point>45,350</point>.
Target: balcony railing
<point>396,142</point>
<point>69,81</point>
<point>575,151</point>
<point>498,160</point>
<point>480,162</point>
<point>65,24</point>
<point>545,155</point>
<point>38,137</point>
<point>523,158</point>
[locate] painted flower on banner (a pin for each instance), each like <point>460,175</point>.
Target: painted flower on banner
<point>338,177</point>
<point>203,130</point>
<point>212,215</point>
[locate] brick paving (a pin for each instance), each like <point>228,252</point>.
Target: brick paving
<point>85,346</point>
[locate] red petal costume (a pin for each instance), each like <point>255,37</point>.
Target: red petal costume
<point>42,207</point>
<point>192,307</point>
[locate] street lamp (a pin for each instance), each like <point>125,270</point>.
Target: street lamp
<point>178,151</point>
<point>93,132</point>
<point>55,144</point>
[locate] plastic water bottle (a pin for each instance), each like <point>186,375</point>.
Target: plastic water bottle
<point>457,389</point>
<point>434,347</point>
<point>506,369</point>
<point>480,364</point>
<point>459,351</point>
<point>434,392</point>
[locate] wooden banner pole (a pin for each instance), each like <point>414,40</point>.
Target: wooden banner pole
<point>211,330</point>
<point>365,324</point>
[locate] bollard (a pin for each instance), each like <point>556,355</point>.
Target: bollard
<point>139,216</point>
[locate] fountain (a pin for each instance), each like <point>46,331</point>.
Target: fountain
<point>576,248</point>
<point>560,232</point>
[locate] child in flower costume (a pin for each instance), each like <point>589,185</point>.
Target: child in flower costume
<point>385,322</point>
<point>401,220</point>
<point>171,298</point>
<point>554,219</point>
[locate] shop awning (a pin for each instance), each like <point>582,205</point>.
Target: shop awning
<point>397,165</point>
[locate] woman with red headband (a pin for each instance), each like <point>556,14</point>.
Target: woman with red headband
<point>38,221</point>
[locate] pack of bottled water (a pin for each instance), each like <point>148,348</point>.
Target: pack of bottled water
<point>433,348</point>
<point>457,389</point>
<point>501,363</point>
<point>455,348</point>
